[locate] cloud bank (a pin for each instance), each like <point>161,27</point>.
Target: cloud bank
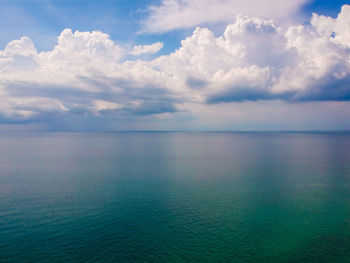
<point>175,14</point>
<point>87,74</point>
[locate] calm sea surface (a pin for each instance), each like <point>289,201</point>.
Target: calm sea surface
<point>175,197</point>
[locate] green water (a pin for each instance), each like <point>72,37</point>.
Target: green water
<point>175,197</point>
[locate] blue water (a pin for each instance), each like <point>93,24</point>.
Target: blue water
<point>174,197</point>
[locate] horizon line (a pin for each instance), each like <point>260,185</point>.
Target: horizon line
<point>177,131</point>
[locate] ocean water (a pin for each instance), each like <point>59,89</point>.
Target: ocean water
<point>175,197</point>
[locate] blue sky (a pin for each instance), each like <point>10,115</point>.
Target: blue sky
<point>325,7</point>
<point>98,65</point>
<point>43,20</point>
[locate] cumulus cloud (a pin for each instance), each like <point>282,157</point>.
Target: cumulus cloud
<point>87,74</point>
<point>147,49</point>
<point>175,14</point>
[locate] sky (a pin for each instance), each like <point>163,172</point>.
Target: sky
<point>69,65</point>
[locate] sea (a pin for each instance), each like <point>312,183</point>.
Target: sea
<point>175,197</point>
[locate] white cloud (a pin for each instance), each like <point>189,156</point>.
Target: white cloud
<point>147,49</point>
<point>174,14</point>
<point>337,28</point>
<point>255,59</point>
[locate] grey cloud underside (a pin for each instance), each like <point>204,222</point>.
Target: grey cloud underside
<point>121,90</point>
<point>154,100</point>
<point>87,76</point>
<point>196,83</point>
<point>335,90</point>
<point>245,94</point>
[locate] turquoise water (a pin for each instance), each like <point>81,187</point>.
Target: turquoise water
<point>175,197</point>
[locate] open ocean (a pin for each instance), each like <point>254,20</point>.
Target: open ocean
<point>175,197</point>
